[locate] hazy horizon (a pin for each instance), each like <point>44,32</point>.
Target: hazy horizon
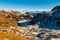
<point>28,5</point>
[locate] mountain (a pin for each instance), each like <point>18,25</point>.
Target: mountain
<point>56,8</point>
<point>50,20</point>
<point>15,23</point>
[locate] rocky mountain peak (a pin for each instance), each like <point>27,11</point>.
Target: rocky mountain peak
<point>56,8</point>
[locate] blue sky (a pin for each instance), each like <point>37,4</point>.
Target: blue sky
<point>28,5</point>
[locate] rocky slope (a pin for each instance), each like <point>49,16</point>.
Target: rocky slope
<point>6,22</point>
<point>16,25</point>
